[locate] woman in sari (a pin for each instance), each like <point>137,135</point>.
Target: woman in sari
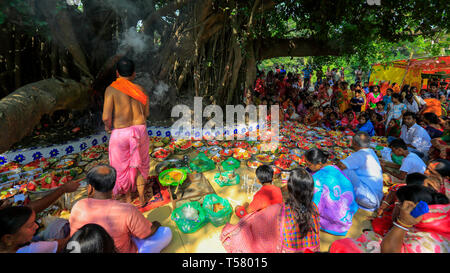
<point>342,98</point>
<point>425,234</point>
<point>333,194</point>
<point>289,227</point>
<point>373,97</point>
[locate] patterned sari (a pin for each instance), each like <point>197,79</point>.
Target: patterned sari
<point>431,235</point>
<point>335,198</point>
<point>259,233</point>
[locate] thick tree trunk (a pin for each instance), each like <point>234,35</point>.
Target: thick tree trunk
<point>22,110</point>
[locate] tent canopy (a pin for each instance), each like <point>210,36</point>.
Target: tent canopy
<point>409,71</point>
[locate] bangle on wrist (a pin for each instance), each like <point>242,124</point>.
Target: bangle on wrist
<point>400,226</point>
<point>403,224</point>
<point>384,202</point>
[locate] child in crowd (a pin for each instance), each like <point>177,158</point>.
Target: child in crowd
<point>393,129</point>
<point>396,109</point>
<point>332,122</point>
<point>380,109</point>
<point>349,121</point>
<point>313,117</point>
<point>266,196</point>
<point>357,102</point>
<point>380,128</point>
<point>365,124</point>
<point>292,115</point>
<point>387,99</point>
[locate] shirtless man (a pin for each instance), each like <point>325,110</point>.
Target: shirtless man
<point>125,111</point>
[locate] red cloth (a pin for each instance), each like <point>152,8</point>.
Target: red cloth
<point>266,196</point>
<point>380,129</point>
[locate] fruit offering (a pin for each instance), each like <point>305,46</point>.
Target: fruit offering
<point>285,164</point>
<point>265,158</point>
<point>161,153</point>
<point>226,152</point>
<point>241,154</point>
<point>197,144</point>
<point>254,164</point>
<point>227,144</point>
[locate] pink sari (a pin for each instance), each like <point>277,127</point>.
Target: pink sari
<point>431,235</point>
<point>262,232</point>
<point>128,153</point>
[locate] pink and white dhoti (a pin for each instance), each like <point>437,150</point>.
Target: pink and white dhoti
<point>128,153</point>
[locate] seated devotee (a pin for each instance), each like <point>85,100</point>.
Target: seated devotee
<point>332,122</point>
<point>427,233</point>
<point>434,127</point>
<point>292,226</point>
<point>313,117</point>
<point>438,171</point>
<point>378,123</point>
<point>364,171</point>
<point>123,221</point>
<point>292,115</point>
<point>415,137</point>
<point>365,125</point>
<point>349,120</point>
<point>336,207</point>
<point>264,197</point>
<point>17,228</point>
<point>411,162</point>
<point>393,129</point>
<point>441,146</point>
<point>91,238</point>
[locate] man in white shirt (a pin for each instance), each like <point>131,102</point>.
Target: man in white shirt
<point>411,162</point>
<point>411,104</point>
<point>416,137</point>
<point>364,171</point>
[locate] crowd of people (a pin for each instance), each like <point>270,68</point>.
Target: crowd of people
<point>326,195</point>
<point>323,196</point>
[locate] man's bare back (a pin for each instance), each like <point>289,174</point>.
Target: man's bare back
<point>122,110</point>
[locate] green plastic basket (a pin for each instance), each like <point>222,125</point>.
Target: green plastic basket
<point>221,217</point>
<point>189,225</point>
<point>231,164</point>
<point>236,180</point>
<point>201,163</point>
<point>165,180</point>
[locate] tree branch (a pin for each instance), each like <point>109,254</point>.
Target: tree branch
<point>177,4</point>
<point>299,47</point>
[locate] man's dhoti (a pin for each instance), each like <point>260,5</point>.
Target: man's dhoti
<point>128,153</point>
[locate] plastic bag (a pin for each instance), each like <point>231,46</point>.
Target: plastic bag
<point>218,209</point>
<point>201,163</point>
<point>231,164</point>
<point>184,217</point>
<point>227,179</point>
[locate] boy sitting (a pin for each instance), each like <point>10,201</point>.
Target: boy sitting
<point>411,162</point>
<point>266,196</point>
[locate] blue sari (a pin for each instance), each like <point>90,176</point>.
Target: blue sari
<point>335,198</point>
